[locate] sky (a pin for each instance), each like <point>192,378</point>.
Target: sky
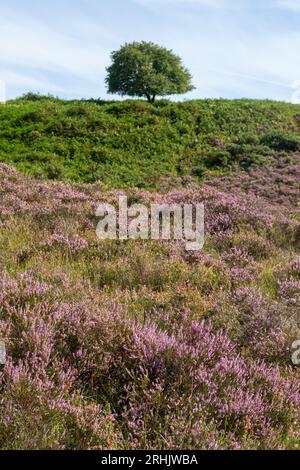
<point>233,48</point>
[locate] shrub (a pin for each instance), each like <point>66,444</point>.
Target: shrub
<point>280,141</point>
<point>141,345</point>
<point>36,97</point>
<point>54,170</point>
<point>218,158</point>
<point>144,141</point>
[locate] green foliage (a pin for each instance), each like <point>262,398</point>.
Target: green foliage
<point>35,97</point>
<point>146,69</point>
<point>281,141</point>
<point>134,143</point>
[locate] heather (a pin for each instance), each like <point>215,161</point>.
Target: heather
<point>134,345</point>
<point>137,144</point>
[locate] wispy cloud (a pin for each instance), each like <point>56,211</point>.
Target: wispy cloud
<point>64,47</point>
<point>293,5</point>
<point>207,3</point>
<point>30,43</point>
<point>35,54</point>
<point>212,4</point>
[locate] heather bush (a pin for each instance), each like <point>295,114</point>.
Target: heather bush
<point>39,414</point>
<point>209,394</point>
<point>75,357</point>
<point>142,344</point>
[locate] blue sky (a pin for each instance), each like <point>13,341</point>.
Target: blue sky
<point>234,48</point>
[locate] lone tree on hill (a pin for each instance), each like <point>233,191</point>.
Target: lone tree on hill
<point>146,69</point>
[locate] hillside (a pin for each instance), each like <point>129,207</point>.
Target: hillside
<point>133,143</point>
<point>142,344</point>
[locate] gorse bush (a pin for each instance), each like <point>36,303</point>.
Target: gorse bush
<point>134,143</point>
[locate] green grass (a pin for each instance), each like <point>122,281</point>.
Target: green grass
<point>133,143</point>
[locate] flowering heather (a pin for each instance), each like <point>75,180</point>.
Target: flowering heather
<point>73,245</point>
<point>290,289</point>
<point>296,268</point>
<point>139,344</point>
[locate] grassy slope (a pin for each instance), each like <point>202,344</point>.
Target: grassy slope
<point>132,143</point>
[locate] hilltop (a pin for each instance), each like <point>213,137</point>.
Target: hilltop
<point>136,144</point>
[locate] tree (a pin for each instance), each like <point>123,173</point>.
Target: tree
<point>146,69</point>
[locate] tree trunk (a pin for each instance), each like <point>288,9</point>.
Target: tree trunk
<point>151,99</point>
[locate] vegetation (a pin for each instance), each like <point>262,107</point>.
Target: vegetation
<point>135,144</point>
<point>142,345</point>
<point>147,70</point>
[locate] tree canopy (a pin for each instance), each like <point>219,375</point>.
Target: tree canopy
<point>146,69</point>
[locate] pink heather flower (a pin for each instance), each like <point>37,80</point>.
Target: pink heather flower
<point>74,245</point>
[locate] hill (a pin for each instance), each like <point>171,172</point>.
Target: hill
<point>142,344</point>
<point>133,143</point>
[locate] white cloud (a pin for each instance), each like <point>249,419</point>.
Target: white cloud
<point>230,60</point>
<point>35,55</point>
<point>32,44</point>
<point>231,55</point>
<point>204,3</point>
<point>23,80</point>
<point>293,5</point>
